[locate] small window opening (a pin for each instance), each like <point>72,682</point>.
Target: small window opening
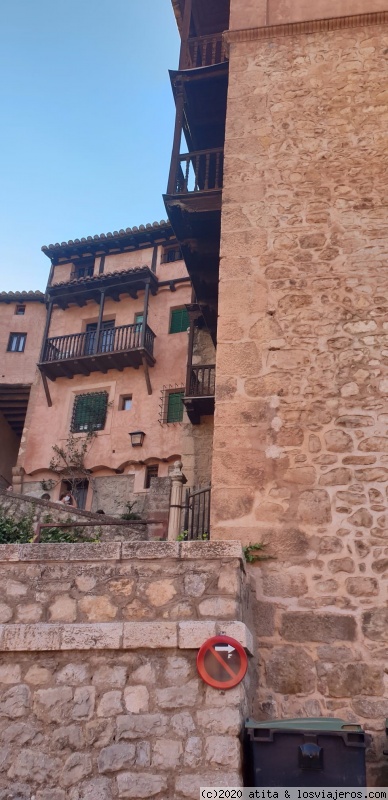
<point>151,472</point>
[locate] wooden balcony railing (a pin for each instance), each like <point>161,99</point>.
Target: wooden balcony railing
<point>114,340</point>
<point>204,51</point>
<point>201,381</point>
<point>82,272</point>
<point>201,171</point>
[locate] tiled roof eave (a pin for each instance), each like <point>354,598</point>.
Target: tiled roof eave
<point>23,296</point>
<point>108,241</point>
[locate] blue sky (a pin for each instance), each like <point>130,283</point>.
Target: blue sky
<point>87,123</point>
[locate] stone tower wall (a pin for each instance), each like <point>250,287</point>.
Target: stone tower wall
<point>300,456</point>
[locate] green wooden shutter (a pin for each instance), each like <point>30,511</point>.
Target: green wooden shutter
<point>175,407</point>
<point>179,320</point>
<point>89,412</point>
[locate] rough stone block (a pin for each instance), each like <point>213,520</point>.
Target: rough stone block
<point>10,673</point>
<point>84,700</point>
<point>349,680</point>
<point>223,751</point>
<point>218,607</point>
<point>53,705</point>
<point>138,726</point>
<point>167,754</point>
<point>110,704</point>
<point>85,551</point>
<point>136,699</point>
<point>30,637</point>
<point>150,635</point>
<point>178,697</point>
<point>150,550</point>
<point>76,767</point>
<point>34,766</point>
<point>375,624</point>
<point>15,702</point>
<point>192,634</point>
<point>98,608</point>
<point>220,720</point>
<point>304,627</point>
<point>114,677</point>
<point>211,550</point>
<point>116,757</point>
<point>314,507</point>
<point>101,636</point>
<point>138,786</point>
<point>193,752</point>
<point>188,785</point>
<point>160,592</point>
<point>64,609</point>
<point>290,670</point>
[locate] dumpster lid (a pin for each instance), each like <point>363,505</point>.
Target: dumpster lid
<point>305,723</point>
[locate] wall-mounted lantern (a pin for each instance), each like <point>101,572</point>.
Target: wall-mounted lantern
<point>137,438</point>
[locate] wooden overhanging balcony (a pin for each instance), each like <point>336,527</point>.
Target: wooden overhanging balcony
<point>199,392</point>
<point>204,51</point>
<point>200,171</point>
<point>83,353</point>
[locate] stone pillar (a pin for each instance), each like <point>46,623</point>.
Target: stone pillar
<point>174,520</point>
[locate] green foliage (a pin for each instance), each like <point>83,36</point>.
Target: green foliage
<point>129,513</point>
<point>184,537</point>
<point>65,535</point>
<point>21,531</point>
<point>254,552</point>
<point>15,531</point>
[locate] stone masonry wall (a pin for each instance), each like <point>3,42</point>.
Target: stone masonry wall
<point>99,693</point>
<point>300,454</point>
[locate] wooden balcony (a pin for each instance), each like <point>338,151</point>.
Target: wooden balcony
<point>200,390</point>
<point>83,353</point>
<point>200,171</point>
<point>204,51</point>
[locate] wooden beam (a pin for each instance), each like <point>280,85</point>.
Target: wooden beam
<point>82,367</point>
<point>115,363</point>
<point>147,375</point>
<point>46,390</point>
<point>67,373</point>
<point>99,322</point>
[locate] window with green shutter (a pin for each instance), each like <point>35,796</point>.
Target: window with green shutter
<point>174,407</point>
<point>89,412</point>
<point>179,320</point>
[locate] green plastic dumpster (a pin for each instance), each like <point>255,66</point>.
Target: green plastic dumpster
<point>318,751</point>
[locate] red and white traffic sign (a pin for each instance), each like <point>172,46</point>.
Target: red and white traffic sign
<point>222,662</point>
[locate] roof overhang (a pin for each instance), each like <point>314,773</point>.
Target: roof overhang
<point>113,284</point>
<point>110,243</point>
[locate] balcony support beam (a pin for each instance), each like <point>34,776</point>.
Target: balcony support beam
<point>46,329</point>
<point>100,316</point>
<point>146,374</point>
<point>176,147</point>
<point>185,34</point>
<point>145,315</point>
<point>46,389</point>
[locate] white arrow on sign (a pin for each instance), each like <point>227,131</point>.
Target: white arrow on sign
<point>228,647</point>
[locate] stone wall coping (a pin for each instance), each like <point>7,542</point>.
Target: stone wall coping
<point>120,551</point>
<point>90,516</point>
<point>187,635</point>
<point>309,26</point>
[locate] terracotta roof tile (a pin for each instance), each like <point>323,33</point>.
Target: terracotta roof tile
<point>7,297</point>
<point>104,276</point>
<point>106,236</point>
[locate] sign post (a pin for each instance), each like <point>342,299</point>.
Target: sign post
<point>222,662</point>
